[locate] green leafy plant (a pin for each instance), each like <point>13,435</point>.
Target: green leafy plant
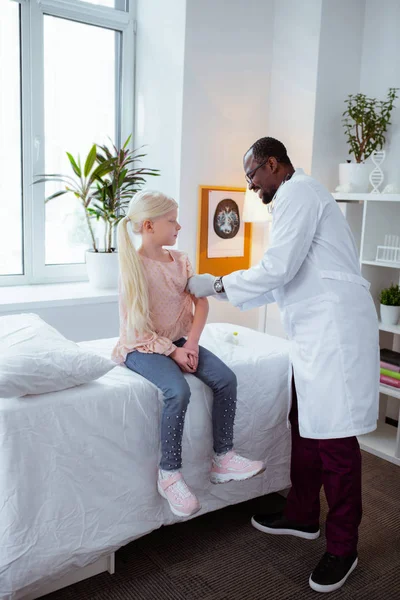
<point>390,296</point>
<point>365,123</point>
<point>82,185</point>
<point>115,189</point>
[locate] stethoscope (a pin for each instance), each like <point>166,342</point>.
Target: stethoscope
<point>271,205</point>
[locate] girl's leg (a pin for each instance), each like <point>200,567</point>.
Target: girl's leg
<point>167,376</point>
<point>227,465</point>
<point>219,377</point>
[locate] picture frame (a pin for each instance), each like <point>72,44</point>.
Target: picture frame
<point>217,264</point>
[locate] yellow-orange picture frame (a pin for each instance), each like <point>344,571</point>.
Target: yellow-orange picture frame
<point>218,266</point>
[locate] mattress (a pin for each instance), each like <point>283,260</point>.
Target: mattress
<point>78,467</point>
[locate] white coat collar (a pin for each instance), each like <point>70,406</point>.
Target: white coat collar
<point>297,173</point>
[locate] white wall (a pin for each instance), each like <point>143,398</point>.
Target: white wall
<point>296,35</point>
<point>159,88</point>
<point>380,69</point>
<point>339,64</point>
<point>225,108</point>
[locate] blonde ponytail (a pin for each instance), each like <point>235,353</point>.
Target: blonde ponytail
<point>145,205</point>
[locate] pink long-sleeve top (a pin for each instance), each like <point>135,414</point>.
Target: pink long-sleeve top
<point>171,308</point>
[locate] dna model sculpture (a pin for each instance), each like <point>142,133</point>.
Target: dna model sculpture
<point>376,175</point>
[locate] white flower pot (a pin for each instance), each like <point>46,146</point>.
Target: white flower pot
<point>103,269</point>
<point>354,176</point>
<point>390,315</point>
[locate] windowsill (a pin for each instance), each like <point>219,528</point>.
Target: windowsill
<point>23,297</point>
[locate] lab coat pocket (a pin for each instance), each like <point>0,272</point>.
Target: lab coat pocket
<point>313,331</point>
<point>349,277</point>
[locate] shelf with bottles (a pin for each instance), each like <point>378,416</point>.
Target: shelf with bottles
<point>380,236</point>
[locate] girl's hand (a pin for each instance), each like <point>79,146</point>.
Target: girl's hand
<point>184,359</point>
<point>193,347</point>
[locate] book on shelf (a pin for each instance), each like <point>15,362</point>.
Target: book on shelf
<point>385,365</point>
<point>390,381</point>
<point>390,356</point>
<point>390,374</point>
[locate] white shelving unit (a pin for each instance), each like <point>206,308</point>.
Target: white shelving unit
<point>371,217</point>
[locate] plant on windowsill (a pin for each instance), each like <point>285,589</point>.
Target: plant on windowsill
<point>390,305</point>
<point>110,201</point>
<point>104,186</point>
<point>115,189</point>
<point>365,122</point>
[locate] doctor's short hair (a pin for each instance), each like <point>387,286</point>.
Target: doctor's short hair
<point>269,147</point>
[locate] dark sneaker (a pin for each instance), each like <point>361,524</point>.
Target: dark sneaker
<point>277,525</point>
<point>332,571</point>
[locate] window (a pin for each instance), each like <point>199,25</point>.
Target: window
<point>120,4</point>
<point>68,61</point>
<point>91,102</point>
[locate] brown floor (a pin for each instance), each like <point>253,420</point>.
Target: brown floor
<point>219,556</point>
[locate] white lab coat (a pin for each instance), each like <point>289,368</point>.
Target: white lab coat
<point>311,270</point>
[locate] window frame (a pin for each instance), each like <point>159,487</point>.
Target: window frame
<point>32,13</point>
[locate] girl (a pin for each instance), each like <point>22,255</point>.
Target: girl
<point>159,339</point>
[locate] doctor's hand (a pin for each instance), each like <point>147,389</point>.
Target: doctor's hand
<point>201,285</point>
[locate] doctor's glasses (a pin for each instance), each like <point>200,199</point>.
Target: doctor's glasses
<point>250,174</point>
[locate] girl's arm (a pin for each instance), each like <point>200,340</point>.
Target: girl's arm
<point>199,321</point>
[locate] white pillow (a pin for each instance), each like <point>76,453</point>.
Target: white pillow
<point>35,358</point>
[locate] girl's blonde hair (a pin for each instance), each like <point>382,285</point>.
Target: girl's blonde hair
<point>144,205</point>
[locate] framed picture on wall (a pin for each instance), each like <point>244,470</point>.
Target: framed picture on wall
<point>223,239</point>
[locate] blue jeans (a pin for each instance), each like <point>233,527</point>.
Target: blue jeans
<point>167,376</point>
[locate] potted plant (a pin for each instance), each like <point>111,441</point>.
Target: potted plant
<point>390,305</point>
<point>365,122</point>
<point>109,203</point>
<point>104,186</point>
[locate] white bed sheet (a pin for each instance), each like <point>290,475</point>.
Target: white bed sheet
<point>78,467</point>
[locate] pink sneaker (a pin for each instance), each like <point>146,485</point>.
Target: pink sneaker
<point>233,467</point>
<point>181,500</point>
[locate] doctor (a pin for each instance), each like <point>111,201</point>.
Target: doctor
<point>311,270</point>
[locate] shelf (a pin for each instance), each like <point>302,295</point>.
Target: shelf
<point>389,390</point>
<point>366,197</point>
<point>375,263</point>
<point>382,442</point>
<point>389,328</point>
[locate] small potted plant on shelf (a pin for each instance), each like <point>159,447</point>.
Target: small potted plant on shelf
<point>105,184</point>
<point>390,305</point>
<point>365,122</point>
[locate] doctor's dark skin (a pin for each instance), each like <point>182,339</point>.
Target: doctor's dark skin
<point>267,179</point>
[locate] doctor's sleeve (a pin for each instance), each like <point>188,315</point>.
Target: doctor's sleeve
<point>295,223</point>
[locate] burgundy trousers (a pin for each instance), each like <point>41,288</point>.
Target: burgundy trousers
<point>335,464</point>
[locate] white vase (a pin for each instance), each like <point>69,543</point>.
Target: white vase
<point>354,176</point>
<point>390,315</point>
<point>102,269</point>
